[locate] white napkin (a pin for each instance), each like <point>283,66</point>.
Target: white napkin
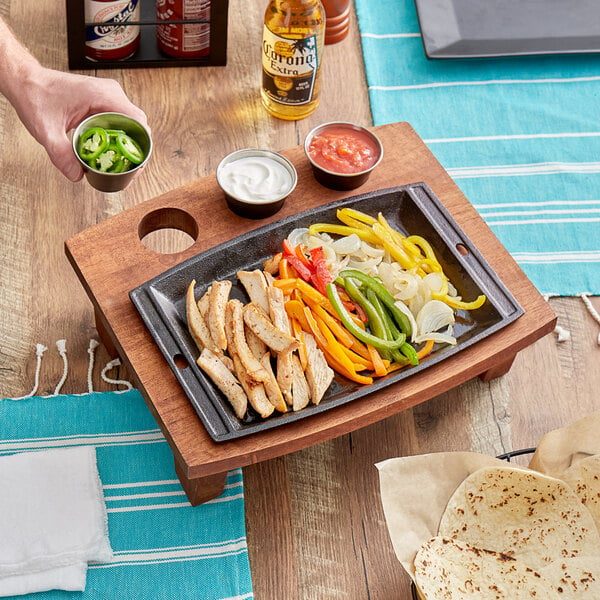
<point>52,520</point>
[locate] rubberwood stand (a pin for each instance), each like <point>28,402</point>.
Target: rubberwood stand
<point>110,260</point>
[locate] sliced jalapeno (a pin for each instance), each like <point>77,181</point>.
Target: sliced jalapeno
<point>92,143</point>
<point>130,148</point>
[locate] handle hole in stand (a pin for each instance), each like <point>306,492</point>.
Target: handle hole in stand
<point>462,249</point>
<point>168,230</point>
<point>180,361</point>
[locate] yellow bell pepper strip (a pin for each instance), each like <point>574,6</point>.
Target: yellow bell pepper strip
<point>455,303</point>
<point>350,221</point>
<point>343,366</point>
<point>336,349</point>
<point>384,295</point>
<point>358,215</point>
<point>396,252</point>
<point>354,329</point>
<point>342,230</point>
<point>336,328</point>
<point>360,363</point>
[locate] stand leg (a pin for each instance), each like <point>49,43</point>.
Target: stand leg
<point>501,369</point>
<point>201,489</point>
<point>104,337</point>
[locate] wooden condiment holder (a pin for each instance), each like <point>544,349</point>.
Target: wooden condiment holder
<point>111,260</point>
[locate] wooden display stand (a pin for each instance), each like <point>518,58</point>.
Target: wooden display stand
<point>148,54</point>
<point>110,260</point>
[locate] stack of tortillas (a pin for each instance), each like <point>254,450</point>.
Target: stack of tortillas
<point>514,533</point>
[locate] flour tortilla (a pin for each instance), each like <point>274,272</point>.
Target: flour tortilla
<point>584,477</point>
<point>575,578</point>
<point>521,513</point>
<point>447,569</point>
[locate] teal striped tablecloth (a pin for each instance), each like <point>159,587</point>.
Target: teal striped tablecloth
<point>520,136</point>
<point>164,549</point>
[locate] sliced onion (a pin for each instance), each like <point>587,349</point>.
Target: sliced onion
<point>434,281</point>
<point>433,316</point>
<point>413,323</point>
<point>347,244</point>
<point>371,251</point>
<point>366,266</point>
<point>297,236</point>
<point>438,338</point>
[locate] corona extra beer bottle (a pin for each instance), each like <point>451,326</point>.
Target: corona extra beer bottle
<point>293,36</point>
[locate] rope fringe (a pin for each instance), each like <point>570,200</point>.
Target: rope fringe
<point>92,353</point>
<point>111,365</point>
<point>61,346</point>
<point>593,312</point>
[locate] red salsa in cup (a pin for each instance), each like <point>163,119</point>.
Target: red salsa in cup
<point>343,150</point>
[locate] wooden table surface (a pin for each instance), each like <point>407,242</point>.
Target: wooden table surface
<point>315,526</point>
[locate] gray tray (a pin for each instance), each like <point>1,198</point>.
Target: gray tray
<point>487,28</point>
<point>412,209</point>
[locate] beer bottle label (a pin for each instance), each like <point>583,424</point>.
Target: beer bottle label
<point>289,68</point>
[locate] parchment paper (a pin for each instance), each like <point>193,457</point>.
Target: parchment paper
<point>415,489</point>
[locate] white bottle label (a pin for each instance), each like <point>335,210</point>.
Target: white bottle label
<point>289,68</point>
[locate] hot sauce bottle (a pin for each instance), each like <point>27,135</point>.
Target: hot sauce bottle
<point>293,36</point>
<point>110,37</point>
<point>183,40</point>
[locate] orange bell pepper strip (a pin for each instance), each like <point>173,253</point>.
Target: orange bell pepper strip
<point>284,269</point>
<point>295,310</point>
<point>378,364</point>
<point>425,350</point>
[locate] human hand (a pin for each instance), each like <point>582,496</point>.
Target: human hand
<point>52,103</point>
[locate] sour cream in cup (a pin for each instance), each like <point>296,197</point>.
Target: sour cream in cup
<point>256,182</point>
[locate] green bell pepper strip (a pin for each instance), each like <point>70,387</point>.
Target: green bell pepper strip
<point>391,331</point>
<point>130,149</point>
<point>374,318</point>
<point>410,353</point>
<point>383,294</point>
<point>354,329</point>
<point>92,143</point>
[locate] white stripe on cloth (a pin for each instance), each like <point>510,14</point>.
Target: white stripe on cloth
<point>145,507</point>
<point>175,554</point>
<point>556,257</point>
<point>383,36</point>
<point>517,136</point>
<point>440,84</point>
<point>544,168</point>
<point>150,436</point>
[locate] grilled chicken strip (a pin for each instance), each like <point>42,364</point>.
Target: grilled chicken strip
<point>196,323</point>
<point>274,393</point>
<point>219,294</point>
<point>280,341</point>
<point>319,374</point>
<point>255,391</point>
<point>254,369</point>
<point>224,379</point>
<point>256,286</point>
<point>300,389</point>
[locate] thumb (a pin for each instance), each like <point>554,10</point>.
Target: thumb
<point>64,159</point>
